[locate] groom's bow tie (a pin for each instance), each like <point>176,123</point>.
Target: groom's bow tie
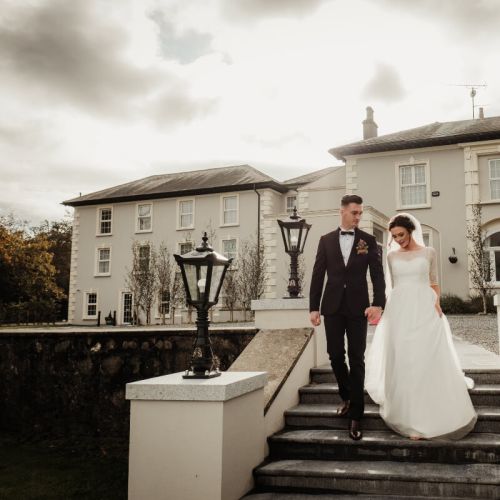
<point>347,232</point>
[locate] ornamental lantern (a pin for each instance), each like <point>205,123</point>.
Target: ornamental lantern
<point>294,230</point>
<point>203,272</point>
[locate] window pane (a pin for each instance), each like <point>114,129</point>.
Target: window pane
<point>413,195</point>
<point>144,223</point>
<point>144,210</point>
<point>495,189</point>
<point>91,304</point>
<point>494,240</point>
<point>230,217</point>
<point>497,265</point>
<point>419,174</point>
<point>405,174</point>
<point>104,254</point>
<point>230,203</point>
<point>186,207</point>
<point>229,248</point>
<point>185,247</point>
<point>104,267</point>
<point>494,169</point>
<point>186,220</point>
<point>426,239</point>
<point>379,235</point>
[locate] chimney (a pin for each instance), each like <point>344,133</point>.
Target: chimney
<point>369,126</point>
<point>481,113</point>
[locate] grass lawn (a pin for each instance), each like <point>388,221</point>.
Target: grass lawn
<point>54,470</point>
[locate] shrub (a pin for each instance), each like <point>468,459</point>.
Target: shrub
<point>453,304</point>
<point>475,304</point>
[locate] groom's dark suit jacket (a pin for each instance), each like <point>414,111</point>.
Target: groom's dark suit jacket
<point>349,280</point>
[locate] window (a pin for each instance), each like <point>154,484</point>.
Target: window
<point>164,303</point>
<point>495,179</point>
<point>186,214</point>
<point>185,247</point>
<point>229,248</point>
<point>90,305</point>
<point>291,203</point>
<point>144,217</point>
<point>105,220</point>
<point>144,257</point>
<point>103,261</point>
<point>229,210</point>
<point>492,257</point>
<point>427,239</point>
<point>413,186</point>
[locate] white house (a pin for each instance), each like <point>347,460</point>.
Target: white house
<point>436,172</point>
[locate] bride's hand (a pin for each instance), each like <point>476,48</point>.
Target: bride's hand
<point>438,309</point>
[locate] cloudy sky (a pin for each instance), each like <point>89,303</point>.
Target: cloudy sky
<point>94,93</point>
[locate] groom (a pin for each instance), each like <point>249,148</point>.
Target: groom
<point>345,255</point>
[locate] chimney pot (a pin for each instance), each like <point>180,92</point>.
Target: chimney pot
<point>369,125</point>
<point>481,113</point>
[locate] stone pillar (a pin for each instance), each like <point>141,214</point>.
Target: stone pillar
<point>195,438</point>
<point>496,301</point>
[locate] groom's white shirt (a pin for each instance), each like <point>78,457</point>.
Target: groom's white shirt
<point>346,243</point>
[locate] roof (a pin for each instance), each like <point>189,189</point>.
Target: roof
<point>434,134</point>
<point>214,180</point>
<point>311,177</point>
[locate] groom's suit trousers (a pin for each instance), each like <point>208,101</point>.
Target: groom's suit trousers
<point>350,380</point>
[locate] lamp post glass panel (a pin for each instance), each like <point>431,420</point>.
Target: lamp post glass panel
<point>203,272</point>
<point>294,230</point>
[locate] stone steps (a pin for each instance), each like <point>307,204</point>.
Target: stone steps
<point>316,444</point>
<point>324,374</point>
<point>328,393</point>
<point>381,478</point>
<point>319,416</point>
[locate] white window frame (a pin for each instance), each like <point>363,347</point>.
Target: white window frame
<point>492,178</point>
<point>138,218</point>
<point>230,238</point>
<point>98,218</point>
<point>86,294</point>
<point>413,163</point>
<point>222,211</point>
<point>158,314</point>
<point>491,252</point>
<point>179,243</point>
<point>97,260</point>
<point>290,210</point>
<point>179,201</point>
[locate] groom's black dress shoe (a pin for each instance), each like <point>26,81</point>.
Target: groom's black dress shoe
<point>355,430</point>
<point>343,409</point>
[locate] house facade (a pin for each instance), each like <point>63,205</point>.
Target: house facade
<point>436,172</point>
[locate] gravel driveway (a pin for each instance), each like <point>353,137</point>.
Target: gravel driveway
<point>476,329</point>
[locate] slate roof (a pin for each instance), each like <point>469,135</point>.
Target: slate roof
<point>311,177</point>
<point>434,134</point>
<point>213,180</point>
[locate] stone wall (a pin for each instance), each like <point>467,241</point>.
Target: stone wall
<point>62,384</point>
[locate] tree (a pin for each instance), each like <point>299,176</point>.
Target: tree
<point>142,280</point>
<point>479,262</point>
<point>251,276</point>
<point>231,291</point>
<point>169,283</point>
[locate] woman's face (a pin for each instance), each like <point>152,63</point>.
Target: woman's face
<point>401,236</point>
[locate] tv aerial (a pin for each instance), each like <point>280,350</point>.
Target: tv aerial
<point>473,92</point>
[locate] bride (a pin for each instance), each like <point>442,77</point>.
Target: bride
<point>412,369</point>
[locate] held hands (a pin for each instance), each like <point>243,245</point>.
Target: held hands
<point>315,318</point>
<point>373,313</point>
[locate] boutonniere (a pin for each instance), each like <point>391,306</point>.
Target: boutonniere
<point>362,247</point>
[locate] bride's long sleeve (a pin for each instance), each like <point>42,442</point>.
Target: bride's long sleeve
<point>433,269</point>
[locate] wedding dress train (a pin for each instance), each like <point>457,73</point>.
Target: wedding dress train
<point>412,369</point>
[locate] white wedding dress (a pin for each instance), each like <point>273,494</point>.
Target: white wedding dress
<point>412,368</point>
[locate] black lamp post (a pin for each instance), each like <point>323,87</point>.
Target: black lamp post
<point>294,230</point>
<point>203,272</point>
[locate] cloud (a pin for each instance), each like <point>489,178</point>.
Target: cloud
<point>385,85</point>
<point>472,19</point>
<point>256,9</point>
<point>184,47</point>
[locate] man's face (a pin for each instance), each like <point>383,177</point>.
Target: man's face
<point>351,215</point>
